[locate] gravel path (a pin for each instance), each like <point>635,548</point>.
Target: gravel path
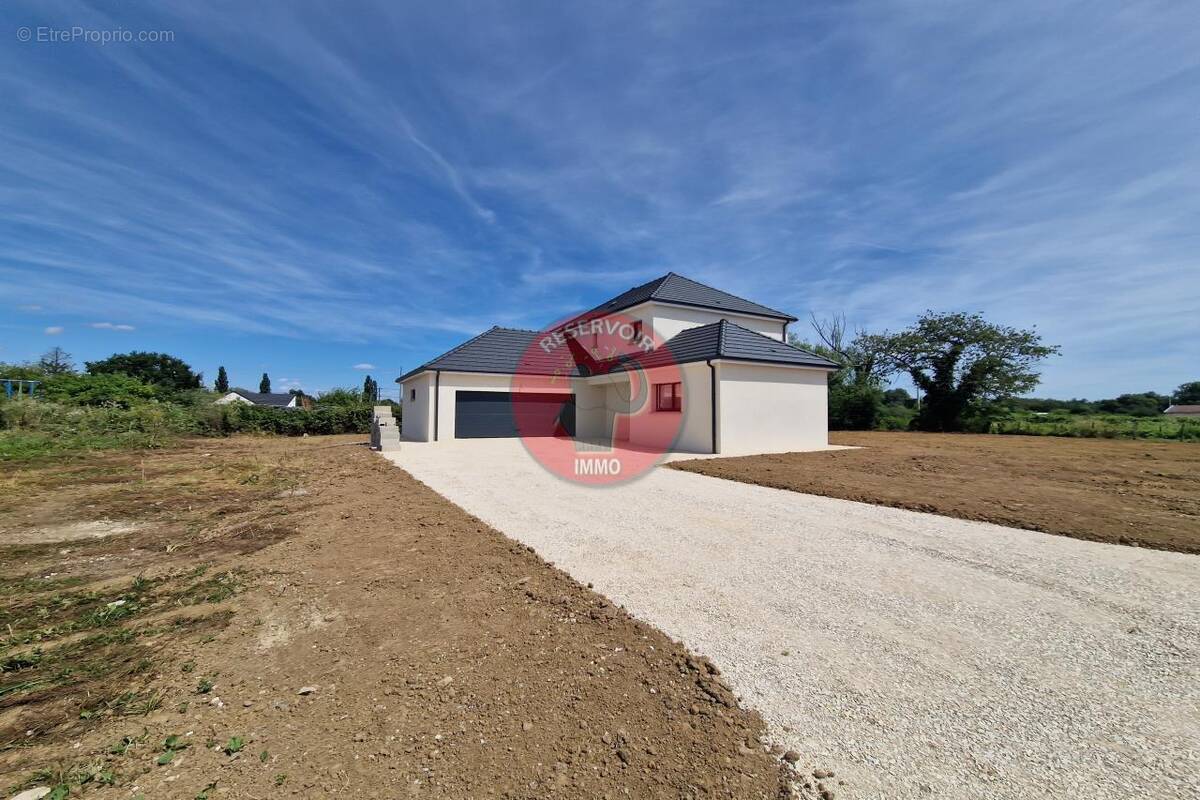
<point>914,655</point>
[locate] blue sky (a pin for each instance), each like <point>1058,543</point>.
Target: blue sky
<point>305,187</point>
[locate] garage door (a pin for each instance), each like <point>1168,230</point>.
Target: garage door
<point>489,415</point>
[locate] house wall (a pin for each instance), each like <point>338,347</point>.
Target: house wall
<point>669,320</point>
<point>688,430</point>
<point>593,406</point>
<point>770,409</point>
<point>416,417</point>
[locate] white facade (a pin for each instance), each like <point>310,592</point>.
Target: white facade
<point>767,408</point>
<point>669,319</point>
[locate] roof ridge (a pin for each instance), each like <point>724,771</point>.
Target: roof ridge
<point>461,346</point>
<point>518,330</point>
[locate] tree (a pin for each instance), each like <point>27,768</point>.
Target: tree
<point>1145,404</point>
<point>863,364</point>
<point>370,390</point>
<point>1187,393</point>
<point>958,360</point>
<point>340,397</point>
<point>855,390</point>
<point>157,369</point>
<point>898,397</point>
<point>56,361</point>
<point>222,384</point>
<point>114,389</point>
<point>264,385</point>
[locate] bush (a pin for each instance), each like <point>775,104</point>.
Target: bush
<point>31,428</point>
<point>241,418</point>
<point>98,390</point>
<point>854,408</point>
<point>34,428</point>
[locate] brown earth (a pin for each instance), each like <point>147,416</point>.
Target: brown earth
<point>1126,492</point>
<point>308,620</point>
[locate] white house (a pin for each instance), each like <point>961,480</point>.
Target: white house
<point>717,374</point>
<point>272,399</point>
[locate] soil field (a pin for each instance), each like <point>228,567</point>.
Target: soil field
<point>260,618</point>
<point>1126,492</point>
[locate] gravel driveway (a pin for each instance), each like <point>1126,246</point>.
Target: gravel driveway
<point>914,655</point>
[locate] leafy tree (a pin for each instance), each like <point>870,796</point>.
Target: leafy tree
<point>1188,393</point>
<point>222,383</point>
<point>56,361</point>
<point>959,360</point>
<point>21,372</point>
<point>898,397</point>
<point>340,397</point>
<point>158,369</point>
<point>115,390</point>
<point>370,390</point>
<point>854,408</point>
<point>1145,404</point>
<point>855,390</point>
<point>264,385</point>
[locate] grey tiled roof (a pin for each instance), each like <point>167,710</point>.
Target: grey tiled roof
<point>265,398</point>
<point>498,350</point>
<point>501,350</point>
<point>730,341</point>
<point>672,288</point>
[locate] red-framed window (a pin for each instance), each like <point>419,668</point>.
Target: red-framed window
<point>668,397</point>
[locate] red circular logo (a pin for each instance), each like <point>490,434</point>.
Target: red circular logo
<point>598,399</point>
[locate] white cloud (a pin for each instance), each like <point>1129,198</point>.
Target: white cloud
<point>364,365</point>
<point>108,326</point>
<point>54,330</point>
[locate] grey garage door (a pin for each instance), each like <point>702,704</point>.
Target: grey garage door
<point>490,415</point>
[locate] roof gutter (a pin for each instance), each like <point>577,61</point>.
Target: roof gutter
<point>437,400</point>
<point>712,371</point>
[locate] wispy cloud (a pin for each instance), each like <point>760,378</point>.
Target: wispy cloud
<point>108,326</point>
<point>364,365</point>
<point>54,330</point>
<point>389,177</point>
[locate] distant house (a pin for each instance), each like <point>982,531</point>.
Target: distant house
<point>1183,411</point>
<point>271,399</point>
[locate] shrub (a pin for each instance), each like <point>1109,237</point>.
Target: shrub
<point>109,389</point>
<point>854,408</point>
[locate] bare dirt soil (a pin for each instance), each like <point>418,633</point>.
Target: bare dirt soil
<point>258,618</point>
<point>1126,492</point>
